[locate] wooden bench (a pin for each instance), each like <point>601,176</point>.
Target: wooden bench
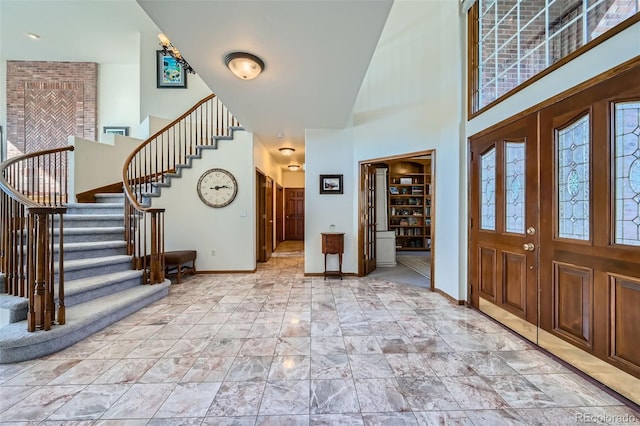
<point>175,261</point>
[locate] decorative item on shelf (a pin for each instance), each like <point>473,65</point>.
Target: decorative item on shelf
<point>116,130</point>
<point>331,184</point>
<point>244,65</point>
<point>393,190</point>
<point>406,181</point>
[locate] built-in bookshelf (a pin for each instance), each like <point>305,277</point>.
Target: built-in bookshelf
<point>410,204</point>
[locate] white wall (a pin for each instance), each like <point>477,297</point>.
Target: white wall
<point>410,101</point>
<point>230,231</point>
<point>293,179</point>
<point>168,102</point>
<point>94,164</point>
<point>265,162</point>
<point>118,97</point>
<point>332,153</point>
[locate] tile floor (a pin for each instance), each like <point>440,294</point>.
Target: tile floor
<point>276,348</point>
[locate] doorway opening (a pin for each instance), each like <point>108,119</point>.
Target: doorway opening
<point>397,215</point>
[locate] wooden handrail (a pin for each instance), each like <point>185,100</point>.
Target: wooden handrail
<point>28,207</point>
<point>166,152</point>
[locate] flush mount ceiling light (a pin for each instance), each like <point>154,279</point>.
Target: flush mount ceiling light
<point>244,65</point>
<point>293,167</point>
<point>287,151</point>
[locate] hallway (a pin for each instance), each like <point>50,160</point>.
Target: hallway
<point>278,348</point>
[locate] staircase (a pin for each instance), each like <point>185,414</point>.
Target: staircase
<point>113,249</point>
<point>100,285</point>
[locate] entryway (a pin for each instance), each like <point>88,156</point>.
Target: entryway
<point>397,215</point>
<point>554,228</point>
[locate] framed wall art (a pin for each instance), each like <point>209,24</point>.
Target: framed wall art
<point>116,130</point>
<point>170,72</point>
<point>331,184</point>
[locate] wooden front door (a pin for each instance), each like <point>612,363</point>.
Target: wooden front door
<point>504,219</point>
<point>571,264</point>
<point>590,221</point>
<point>294,214</point>
<point>368,194</point>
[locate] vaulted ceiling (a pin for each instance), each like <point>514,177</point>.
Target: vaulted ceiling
<point>316,51</point>
<point>316,55</point>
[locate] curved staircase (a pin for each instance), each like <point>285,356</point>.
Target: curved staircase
<point>112,250</point>
<point>100,285</point>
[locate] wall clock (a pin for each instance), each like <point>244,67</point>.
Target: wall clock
<point>217,188</point>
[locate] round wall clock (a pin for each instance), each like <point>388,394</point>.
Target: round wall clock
<point>217,188</point>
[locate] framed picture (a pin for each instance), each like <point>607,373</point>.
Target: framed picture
<point>331,184</point>
<point>116,130</point>
<point>170,73</point>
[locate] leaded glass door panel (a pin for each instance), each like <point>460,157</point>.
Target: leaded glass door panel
<point>504,221</point>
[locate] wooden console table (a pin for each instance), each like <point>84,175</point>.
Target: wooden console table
<point>333,243</point>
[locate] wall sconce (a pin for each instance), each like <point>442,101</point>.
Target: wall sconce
<point>293,167</point>
<point>244,65</point>
<point>287,151</point>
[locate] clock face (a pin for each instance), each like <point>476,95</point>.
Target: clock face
<point>217,188</point>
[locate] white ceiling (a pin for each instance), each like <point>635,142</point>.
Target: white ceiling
<point>316,51</point>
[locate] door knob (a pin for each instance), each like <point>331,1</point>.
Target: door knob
<point>528,247</point>
<point>531,230</point>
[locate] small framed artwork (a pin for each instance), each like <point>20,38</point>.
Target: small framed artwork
<point>331,184</point>
<point>116,130</point>
<point>170,72</point>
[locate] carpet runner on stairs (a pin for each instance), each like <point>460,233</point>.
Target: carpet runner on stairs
<point>100,286</point>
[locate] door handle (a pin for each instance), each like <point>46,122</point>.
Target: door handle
<point>528,247</point>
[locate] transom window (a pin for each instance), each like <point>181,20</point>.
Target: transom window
<point>516,39</point>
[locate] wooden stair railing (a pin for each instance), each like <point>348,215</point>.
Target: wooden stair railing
<point>153,163</point>
<point>34,189</point>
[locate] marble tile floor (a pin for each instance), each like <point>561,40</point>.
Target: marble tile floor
<point>278,348</point>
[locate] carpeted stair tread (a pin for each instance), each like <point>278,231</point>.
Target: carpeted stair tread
<point>100,280</point>
<point>17,344</point>
<point>71,265</point>
<point>91,245</point>
<point>80,217</point>
<point>93,205</point>
<point>91,230</point>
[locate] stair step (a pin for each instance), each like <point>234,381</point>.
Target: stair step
<point>84,268</point>
<point>88,234</point>
<point>92,220</point>
<point>84,250</point>
<point>117,197</point>
<point>95,208</point>
<point>85,319</point>
<point>75,292</point>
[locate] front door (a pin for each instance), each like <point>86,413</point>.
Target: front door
<point>555,228</point>
<point>504,220</point>
<point>590,265</point>
<point>294,213</point>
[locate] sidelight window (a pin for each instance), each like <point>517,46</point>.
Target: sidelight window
<point>627,173</point>
<point>515,187</point>
<point>488,190</point>
<point>572,177</point>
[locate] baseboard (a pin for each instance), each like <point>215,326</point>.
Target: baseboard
<point>237,271</point>
<point>321,274</point>
<point>451,299</point>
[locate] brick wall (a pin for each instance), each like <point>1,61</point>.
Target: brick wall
<point>49,101</point>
